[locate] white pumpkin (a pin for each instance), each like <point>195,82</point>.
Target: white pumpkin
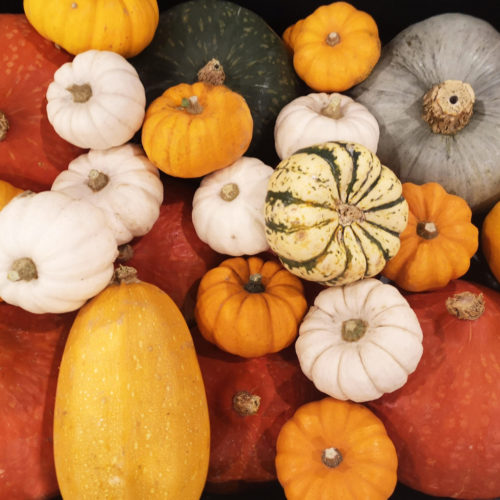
<point>96,101</point>
<point>122,182</point>
<point>58,252</point>
<point>322,117</point>
<point>359,341</point>
<point>228,208</point>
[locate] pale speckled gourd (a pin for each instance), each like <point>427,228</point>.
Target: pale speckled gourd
<point>450,136</point>
<point>334,213</point>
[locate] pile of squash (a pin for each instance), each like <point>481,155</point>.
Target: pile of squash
<point>230,257</point>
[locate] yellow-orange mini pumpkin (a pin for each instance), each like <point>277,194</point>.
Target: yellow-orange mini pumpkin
<point>123,26</point>
<point>290,34</point>
<point>335,450</point>
<point>336,47</point>
<point>490,239</point>
<point>250,307</point>
<point>438,241</point>
<point>7,192</point>
<point>192,130</point>
<point>131,415</point>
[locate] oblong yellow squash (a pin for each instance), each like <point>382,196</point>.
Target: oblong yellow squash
<point>131,415</point>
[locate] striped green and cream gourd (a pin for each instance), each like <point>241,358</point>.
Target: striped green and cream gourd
<point>334,213</point>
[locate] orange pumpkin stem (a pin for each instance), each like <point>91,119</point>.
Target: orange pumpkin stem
<point>466,305</point>
<point>212,72</point>
<point>229,191</point>
<point>255,284</point>
<point>125,274</point>
<point>4,126</point>
<point>246,403</point>
<point>353,329</point>
<point>81,93</point>
<point>191,105</point>
<point>331,457</point>
<point>427,230</point>
<point>332,39</point>
<point>97,180</point>
<point>448,106</point>
<point>23,269</point>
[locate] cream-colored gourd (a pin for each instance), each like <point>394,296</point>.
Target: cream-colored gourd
<point>228,208</point>
<point>322,117</point>
<point>122,182</point>
<point>96,101</point>
<point>59,252</point>
<point>359,341</point>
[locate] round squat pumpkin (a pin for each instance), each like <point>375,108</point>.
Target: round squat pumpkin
<point>444,420</point>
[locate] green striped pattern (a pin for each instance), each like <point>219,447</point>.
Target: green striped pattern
<point>334,213</point>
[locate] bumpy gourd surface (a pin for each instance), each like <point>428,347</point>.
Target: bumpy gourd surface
<point>334,213</point>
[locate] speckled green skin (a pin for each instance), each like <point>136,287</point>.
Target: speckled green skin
<point>256,62</point>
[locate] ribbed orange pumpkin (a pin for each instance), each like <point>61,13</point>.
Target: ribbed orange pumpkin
<point>250,307</point>
<point>438,242</point>
<point>192,130</point>
<point>7,192</point>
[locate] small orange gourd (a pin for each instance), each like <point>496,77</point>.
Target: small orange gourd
<point>335,450</point>
<point>250,307</point>
<point>131,415</point>
<point>7,192</point>
<point>438,242</point>
<point>490,239</point>
<point>192,130</point>
<point>290,34</point>
<point>335,47</point>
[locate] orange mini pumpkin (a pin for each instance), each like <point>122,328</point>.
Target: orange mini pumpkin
<point>438,241</point>
<point>290,34</point>
<point>250,307</point>
<point>335,47</point>
<point>333,449</point>
<point>7,192</point>
<point>192,130</point>
<point>490,239</point>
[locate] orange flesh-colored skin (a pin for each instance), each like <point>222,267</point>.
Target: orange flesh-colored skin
<point>336,68</point>
<point>244,323</point>
<point>490,239</point>
<point>368,470</point>
<point>290,34</point>
<point>427,264</point>
<point>189,145</point>
<point>122,26</point>
<point>7,192</point>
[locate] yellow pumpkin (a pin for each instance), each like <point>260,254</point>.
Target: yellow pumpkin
<point>123,26</point>
<point>335,48</point>
<point>490,239</point>
<point>131,415</point>
<point>7,192</point>
<point>193,130</point>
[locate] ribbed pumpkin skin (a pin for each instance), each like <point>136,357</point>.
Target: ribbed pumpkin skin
<point>334,213</point>
<point>131,416</point>
<point>122,26</point>
<point>256,61</point>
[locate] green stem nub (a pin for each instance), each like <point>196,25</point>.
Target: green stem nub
<point>353,329</point>
<point>23,269</point>
<point>97,180</point>
<point>255,284</point>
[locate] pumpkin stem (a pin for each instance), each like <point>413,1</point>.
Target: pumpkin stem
<point>125,252</point>
<point>81,93</point>
<point>331,457</point>
<point>254,284</point>
<point>448,106</point>
<point>4,126</point>
<point>97,180</point>
<point>332,39</point>
<point>349,214</point>
<point>125,274</point>
<point>212,72</point>
<point>332,109</point>
<point>427,230</point>
<point>229,191</point>
<point>191,105</point>
<point>23,269</point>
<point>466,305</point>
<point>353,329</point>
<point>245,403</point>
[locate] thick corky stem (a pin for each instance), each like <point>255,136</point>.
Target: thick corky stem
<point>466,305</point>
<point>229,191</point>
<point>427,230</point>
<point>97,180</point>
<point>331,457</point>
<point>332,39</point>
<point>212,72</point>
<point>448,106</point>
<point>332,109</point>
<point>23,269</point>
<point>353,329</point>
<point>81,93</point>
<point>246,403</point>
<point>4,126</point>
<point>125,274</point>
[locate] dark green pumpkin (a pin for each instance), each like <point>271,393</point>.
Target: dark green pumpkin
<point>254,58</point>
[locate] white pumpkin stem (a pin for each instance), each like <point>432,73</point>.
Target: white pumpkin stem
<point>246,403</point>
<point>212,72</point>
<point>353,329</point>
<point>448,106</point>
<point>427,230</point>
<point>81,93</point>
<point>4,126</point>
<point>331,457</point>
<point>191,105</point>
<point>466,305</point>
<point>255,284</point>
<point>23,269</point>
<point>332,39</point>
<point>97,180</point>
<point>125,274</point>
<point>332,109</point>
<point>229,191</point>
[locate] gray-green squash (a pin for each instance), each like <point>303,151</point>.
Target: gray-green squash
<point>237,44</point>
<point>452,136</point>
